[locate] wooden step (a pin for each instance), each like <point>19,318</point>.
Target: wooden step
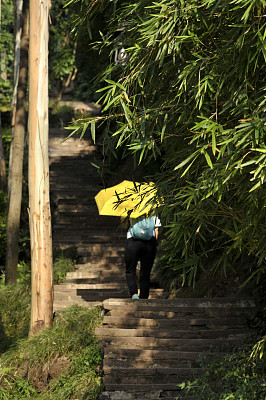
<point>152,343</point>
<point>159,342</point>
<point>117,357</point>
<point>138,376</point>
<point>187,302</point>
<point>174,333</point>
<point>139,395</point>
<point>179,312</point>
<point>181,323</point>
<point>144,388</point>
<point>60,304</point>
<point>84,274</point>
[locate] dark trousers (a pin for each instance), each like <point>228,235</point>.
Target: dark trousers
<point>143,251</point>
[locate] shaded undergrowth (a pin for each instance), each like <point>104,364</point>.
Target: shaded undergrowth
<point>239,375</point>
<point>58,363</point>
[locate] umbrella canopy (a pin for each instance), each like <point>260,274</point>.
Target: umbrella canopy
<point>125,197</point>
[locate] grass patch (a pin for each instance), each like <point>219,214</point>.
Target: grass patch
<point>15,300</point>
<point>59,363</point>
<point>14,314</point>
<point>62,265</point>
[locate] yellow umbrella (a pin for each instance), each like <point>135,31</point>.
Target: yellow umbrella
<point>125,197</point>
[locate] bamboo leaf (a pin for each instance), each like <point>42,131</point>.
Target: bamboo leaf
<point>208,159</point>
<point>93,134</point>
<point>213,143</point>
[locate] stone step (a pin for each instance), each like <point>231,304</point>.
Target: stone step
<point>177,323</point>
<point>174,333</point>
<point>99,259</point>
<point>102,291</point>
<point>78,208</point>
<point>125,395</point>
<point>138,376</point>
<point>194,345</point>
<point>59,173</point>
<point>178,312</point>
<point>66,230</point>
<point>98,249</point>
<point>64,195</point>
<point>74,166</point>
<point>151,395</point>
<point>116,278</point>
<point>75,188</point>
<point>84,274</point>
<point>180,363</point>
<point>59,154</point>
<point>80,238</point>
<point>85,283</point>
<point>64,155</point>
<point>84,219</point>
<point>89,286</point>
<point>99,266</point>
<point>108,258</point>
<point>144,388</point>
<point>60,304</point>
<point>70,202</point>
<point>186,302</point>
<point>97,294</point>
<point>117,357</point>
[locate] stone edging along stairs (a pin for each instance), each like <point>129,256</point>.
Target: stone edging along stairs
<point>149,346</point>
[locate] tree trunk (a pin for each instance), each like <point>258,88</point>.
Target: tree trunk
<point>18,5</point>
<point>39,203</point>
<point>15,193</point>
<point>2,161</point>
<point>2,158</point>
<point>18,8</point>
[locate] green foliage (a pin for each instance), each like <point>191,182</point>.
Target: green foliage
<point>15,299</point>
<point>61,45</point>
<point>15,313</point>
<point>58,363</point>
<point>61,266</point>
<point>192,97</point>
<point>73,62</point>
<point>238,376</point>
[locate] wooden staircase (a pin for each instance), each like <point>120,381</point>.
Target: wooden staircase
<point>151,346</point>
<point>99,240</point>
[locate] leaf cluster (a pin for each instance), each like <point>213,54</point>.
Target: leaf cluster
<point>238,376</point>
<point>192,97</point>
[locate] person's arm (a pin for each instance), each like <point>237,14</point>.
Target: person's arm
<point>156,230</point>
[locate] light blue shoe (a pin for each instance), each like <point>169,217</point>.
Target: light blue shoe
<point>135,297</point>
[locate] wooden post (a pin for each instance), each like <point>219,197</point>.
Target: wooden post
<point>39,204</point>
